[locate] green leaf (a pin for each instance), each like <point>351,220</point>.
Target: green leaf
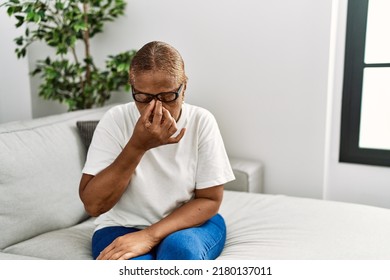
<point>122,67</point>
<point>36,71</point>
<point>59,5</point>
<point>80,26</point>
<point>30,16</point>
<point>19,41</point>
<point>37,18</point>
<point>10,10</point>
<point>20,52</point>
<point>19,23</point>
<point>19,18</point>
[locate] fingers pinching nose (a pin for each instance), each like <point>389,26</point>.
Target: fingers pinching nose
<point>159,108</point>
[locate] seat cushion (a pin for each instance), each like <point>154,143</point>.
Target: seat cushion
<point>278,227</point>
<point>72,243</point>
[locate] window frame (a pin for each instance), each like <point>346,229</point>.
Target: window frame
<point>354,65</point>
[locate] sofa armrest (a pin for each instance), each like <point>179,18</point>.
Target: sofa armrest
<point>249,175</point>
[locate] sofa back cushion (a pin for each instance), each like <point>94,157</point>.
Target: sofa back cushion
<point>40,169</point>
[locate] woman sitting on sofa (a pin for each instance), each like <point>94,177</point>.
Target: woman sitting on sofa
<point>155,169</point>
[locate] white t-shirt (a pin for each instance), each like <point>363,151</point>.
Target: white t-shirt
<point>166,176</point>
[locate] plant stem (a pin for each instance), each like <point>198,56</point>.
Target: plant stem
<point>86,42</point>
<point>74,55</point>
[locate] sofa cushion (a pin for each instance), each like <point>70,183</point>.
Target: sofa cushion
<point>86,130</point>
<point>40,169</point>
<point>72,243</point>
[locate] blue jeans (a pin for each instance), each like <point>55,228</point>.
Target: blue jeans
<point>204,242</point>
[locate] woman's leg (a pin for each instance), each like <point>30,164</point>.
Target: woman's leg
<point>204,242</point>
<point>105,236</point>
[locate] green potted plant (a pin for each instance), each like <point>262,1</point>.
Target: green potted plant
<point>66,26</point>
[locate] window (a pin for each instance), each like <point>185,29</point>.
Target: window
<point>365,119</point>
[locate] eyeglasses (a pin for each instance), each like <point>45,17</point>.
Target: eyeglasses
<point>163,96</point>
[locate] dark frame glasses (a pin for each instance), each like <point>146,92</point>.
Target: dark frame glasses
<point>165,97</point>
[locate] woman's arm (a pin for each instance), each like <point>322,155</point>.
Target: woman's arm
<point>101,192</point>
<point>204,206</point>
<point>193,213</point>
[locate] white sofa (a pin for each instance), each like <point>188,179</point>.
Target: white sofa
<point>42,217</point>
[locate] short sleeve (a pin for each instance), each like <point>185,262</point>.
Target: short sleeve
<point>213,167</point>
<point>105,146</point>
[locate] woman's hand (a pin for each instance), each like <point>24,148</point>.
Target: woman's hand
<point>155,127</point>
<point>129,246</point>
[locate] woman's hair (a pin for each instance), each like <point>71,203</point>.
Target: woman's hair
<point>158,56</point>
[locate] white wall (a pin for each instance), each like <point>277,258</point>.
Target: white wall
<point>345,181</point>
<point>15,100</point>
